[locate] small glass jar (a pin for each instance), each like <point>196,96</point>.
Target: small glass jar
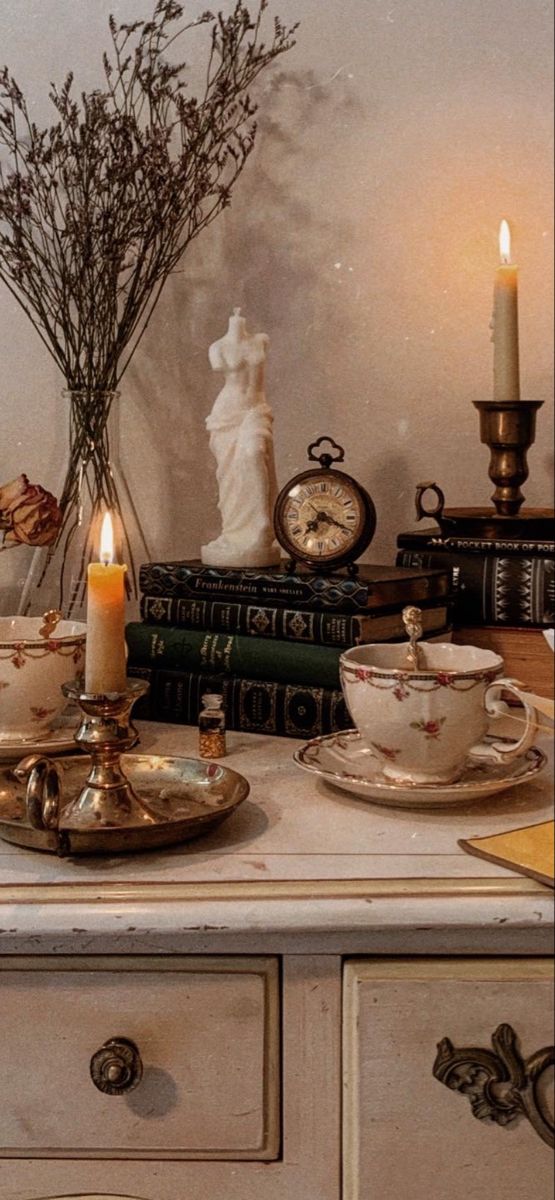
<point>211,727</point>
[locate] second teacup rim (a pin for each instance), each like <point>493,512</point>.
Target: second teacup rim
<point>488,670</point>
<point>78,631</point>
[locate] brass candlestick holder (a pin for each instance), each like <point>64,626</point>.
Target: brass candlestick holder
<point>108,799</point>
<point>509,429</point>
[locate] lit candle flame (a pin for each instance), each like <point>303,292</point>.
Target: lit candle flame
<point>505,242</point>
<point>107,540</point>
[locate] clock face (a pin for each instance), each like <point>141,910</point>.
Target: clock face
<point>324,517</point>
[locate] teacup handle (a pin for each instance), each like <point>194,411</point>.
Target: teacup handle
<point>499,751</point>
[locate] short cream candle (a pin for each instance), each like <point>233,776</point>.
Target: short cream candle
<point>506,369</point>
<point>106,664</point>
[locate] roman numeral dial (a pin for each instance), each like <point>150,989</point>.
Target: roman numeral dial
<point>324,518</point>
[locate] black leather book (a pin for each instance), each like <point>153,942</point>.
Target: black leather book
<point>251,705</point>
<point>433,539</point>
<point>494,589</point>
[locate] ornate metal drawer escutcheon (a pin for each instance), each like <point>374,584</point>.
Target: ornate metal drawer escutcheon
<point>500,1084</point>
<point>117,1068</point>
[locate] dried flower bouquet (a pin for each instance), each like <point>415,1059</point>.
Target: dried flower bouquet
<point>97,209</point>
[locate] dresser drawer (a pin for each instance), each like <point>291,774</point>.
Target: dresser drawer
<point>196,1039</point>
<point>409,1124</point>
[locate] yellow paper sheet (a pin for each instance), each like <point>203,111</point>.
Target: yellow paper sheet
<point>529,851</point>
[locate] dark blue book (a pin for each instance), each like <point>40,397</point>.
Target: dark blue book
<point>373,588</point>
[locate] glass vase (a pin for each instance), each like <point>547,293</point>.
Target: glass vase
<point>93,483</point>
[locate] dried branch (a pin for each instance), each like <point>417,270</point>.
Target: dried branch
<point>97,209</point>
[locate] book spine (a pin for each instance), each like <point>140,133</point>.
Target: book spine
<point>251,620</point>
<point>281,624</point>
<point>251,706</point>
<point>428,539</point>
<point>525,653</point>
<point>493,590</point>
<point>310,592</point>
<point>163,646</point>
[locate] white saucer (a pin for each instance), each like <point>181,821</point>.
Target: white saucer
<point>366,779</point>
<point>56,741</point>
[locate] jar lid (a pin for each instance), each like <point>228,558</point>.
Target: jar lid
<point>212,699</point>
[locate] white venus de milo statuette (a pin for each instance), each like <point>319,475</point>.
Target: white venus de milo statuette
<point>241,440</point>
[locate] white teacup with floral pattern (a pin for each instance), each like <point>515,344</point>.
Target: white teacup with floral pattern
<point>32,671</point>
<point>424,725</point>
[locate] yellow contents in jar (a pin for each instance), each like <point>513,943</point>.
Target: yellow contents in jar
<point>211,726</point>
<point>212,744</point>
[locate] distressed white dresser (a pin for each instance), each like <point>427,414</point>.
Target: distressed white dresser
<point>284,986</point>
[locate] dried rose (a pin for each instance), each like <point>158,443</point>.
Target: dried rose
<point>29,513</point>
<point>11,494</point>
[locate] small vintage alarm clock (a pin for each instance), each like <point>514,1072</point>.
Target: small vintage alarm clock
<point>324,518</point>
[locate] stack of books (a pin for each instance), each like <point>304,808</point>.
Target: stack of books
<point>269,640</point>
<point>505,596</point>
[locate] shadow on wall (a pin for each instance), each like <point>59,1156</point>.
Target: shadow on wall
<point>273,254</point>
<point>279,251</point>
<point>393,482</point>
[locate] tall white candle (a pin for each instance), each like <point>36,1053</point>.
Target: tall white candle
<point>105,663</point>
<point>506,368</point>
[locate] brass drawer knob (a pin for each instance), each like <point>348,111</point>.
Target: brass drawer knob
<point>117,1067</point>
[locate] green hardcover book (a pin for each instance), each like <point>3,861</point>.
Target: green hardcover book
<point>170,648</point>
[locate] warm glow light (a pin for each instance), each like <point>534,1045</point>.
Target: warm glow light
<point>505,242</point>
<point>107,540</point>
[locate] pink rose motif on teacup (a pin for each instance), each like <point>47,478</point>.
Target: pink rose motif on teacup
<point>444,679</point>
<point>431,729</point>
<point>18,657</point>
<point>40,715</point>
<point>361,675</point>
<point>401,691</point>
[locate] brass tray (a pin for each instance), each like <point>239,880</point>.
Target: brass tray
<point>191,798</point>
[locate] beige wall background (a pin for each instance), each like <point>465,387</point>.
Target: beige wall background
<point>362,238</point>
